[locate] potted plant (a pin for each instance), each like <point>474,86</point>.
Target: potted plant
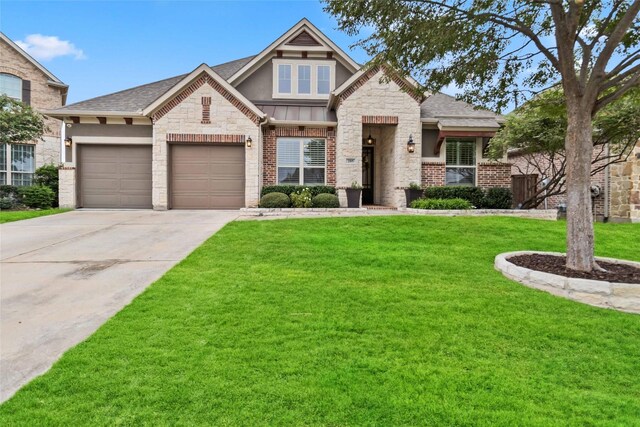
<point>412,193</point>
<point>353,195</point>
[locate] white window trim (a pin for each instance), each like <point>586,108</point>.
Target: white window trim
<point>19,98</point>
<point>294,63</point>
<point>9,159</point>
<point>301,165</point>
<point>476,141</point>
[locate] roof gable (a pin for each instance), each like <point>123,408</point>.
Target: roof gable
<point>295,35</point>
<point>52,78</point>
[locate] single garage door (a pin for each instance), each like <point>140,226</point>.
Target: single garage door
<point>207,176</point>
<point>114,176</point>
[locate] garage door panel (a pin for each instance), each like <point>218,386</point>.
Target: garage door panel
<point>207,177</point>
<point>115,176</point>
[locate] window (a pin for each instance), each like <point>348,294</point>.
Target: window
<point>324,79</point>
<point>304,79</point>
<point>301,161</point>
<point>22,164</point>
<point>11,86</point>
<point>284,78</point>
<point>3,164</point>
<point>461,162</point>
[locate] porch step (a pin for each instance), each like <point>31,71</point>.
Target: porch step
<point>379,208</point>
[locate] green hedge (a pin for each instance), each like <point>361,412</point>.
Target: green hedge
<point>492,198</point>
<point>326,200</point>
<point>275,200</point>
<point>441,204</point>
<point>37,196</point>
<point>288,189</point>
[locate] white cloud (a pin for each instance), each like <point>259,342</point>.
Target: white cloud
<point>46,48</point>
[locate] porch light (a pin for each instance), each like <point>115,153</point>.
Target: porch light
<point>249,142</point>
<point>370,140</point>
<point>411,146</point>
<point>68,142</point>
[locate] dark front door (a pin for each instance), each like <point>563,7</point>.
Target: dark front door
<point>367,175</point>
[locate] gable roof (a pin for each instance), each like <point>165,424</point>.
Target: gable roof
<point>53,80</point>
<point>447,111</point>
<point>132,101</point>
<point>303,26</point>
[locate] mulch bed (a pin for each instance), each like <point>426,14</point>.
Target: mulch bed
<point>619,273</point>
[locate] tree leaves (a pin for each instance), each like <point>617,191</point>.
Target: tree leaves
<point>19,122</point>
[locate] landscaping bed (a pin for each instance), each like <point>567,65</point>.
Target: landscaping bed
<point>555,264</point>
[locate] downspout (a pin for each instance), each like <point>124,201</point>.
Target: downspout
<point>63,136</point>
<point>261,123</point>
<point>606,189</point>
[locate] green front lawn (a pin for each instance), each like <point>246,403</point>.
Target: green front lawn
<point>10,216</point>
<point>353,321</point>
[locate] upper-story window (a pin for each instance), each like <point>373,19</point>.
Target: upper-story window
<point>11,86</point>
<point>303,78</point>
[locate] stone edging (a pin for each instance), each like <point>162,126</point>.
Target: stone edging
<point>599,293</point>
<point>548,214</point>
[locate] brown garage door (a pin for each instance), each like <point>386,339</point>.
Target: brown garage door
<point>207,176</point>
<point>114,176</point>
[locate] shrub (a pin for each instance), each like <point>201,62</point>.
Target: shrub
<point>475,195</point>
<point>325,200</point>
<point>275,200</point>
<point>7,203</point>
<point>37,196</point>
<point>8,191</point>
<point>288,189</point>
<point>441,204</point>
<point>498,198</point>
<point>47,175</point>
<point>301,198</point>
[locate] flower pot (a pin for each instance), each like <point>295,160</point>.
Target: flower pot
<point>412,194</point>
<point>353,197</point>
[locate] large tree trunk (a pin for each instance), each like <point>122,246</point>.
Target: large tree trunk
<point>579,149</point>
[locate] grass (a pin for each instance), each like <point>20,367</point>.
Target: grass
<point>352,321</point>
<point>10,216</point>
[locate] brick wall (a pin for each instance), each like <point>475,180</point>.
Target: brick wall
<point>433,174</point>
<point>269,161</point>
<point>494,174</point>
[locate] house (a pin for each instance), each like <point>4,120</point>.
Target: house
<point>299,112</point>
<point>25,79</point>
<point>615,187</point>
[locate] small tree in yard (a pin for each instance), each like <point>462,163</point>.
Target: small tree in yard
<point>537,132</point>
<point>501,51</point>
<point>19,122</point>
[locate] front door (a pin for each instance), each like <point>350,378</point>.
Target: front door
<point>367,175</point>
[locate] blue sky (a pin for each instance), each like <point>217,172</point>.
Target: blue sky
<point>106,46</point>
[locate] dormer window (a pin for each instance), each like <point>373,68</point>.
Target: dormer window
<point>303,78</point>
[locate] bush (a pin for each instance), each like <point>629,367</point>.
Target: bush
<point>8,191</point>
<point>475,195</point>
<point>37,196</point>
<point>47,175</point>
<point>325,200</point>
<point>275,200</point>
<point>301,198</point>
<point>7,203</point>
<point>498,198</point>
<point>441,204</point>
<point>288,189</point>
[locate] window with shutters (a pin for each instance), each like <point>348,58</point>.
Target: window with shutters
<point>11,86</point>
<point>301,161</point>
<point>461,161</point>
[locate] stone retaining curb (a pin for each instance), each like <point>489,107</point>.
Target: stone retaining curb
<point>547,214</point>
<point>599,293</point>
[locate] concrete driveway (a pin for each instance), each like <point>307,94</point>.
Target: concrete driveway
<point>63,276</point>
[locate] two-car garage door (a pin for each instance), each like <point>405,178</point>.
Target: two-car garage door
<point>200,176</point>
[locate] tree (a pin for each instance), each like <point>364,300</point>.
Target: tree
<point>503,51</point>
<point>537,132</point>
<point>19,122</point>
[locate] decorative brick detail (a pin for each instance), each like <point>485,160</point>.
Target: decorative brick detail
<point>433,174</point>
<point>389,73</point>
<point>269,150</point>
<point>206,110</point>
<point>205,78</point>
<point>494,175</point>
<point>206,138</point>
<point>67,168</point>
<point>379,120</point>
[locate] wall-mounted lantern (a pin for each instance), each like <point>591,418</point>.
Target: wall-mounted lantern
<point>411,146</point>
<point>249,142</point>
<point>68,142</point>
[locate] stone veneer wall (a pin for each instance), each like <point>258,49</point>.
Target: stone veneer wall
<point>494,174</point>
<point>371,97</point>
<point>270,136</point>
<point>624,188</point>
<point>67,186</point>
<point>186,118</point>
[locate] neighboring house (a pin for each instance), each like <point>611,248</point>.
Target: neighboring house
<point>616,187</point>
<point>25,79</point>
<point>299,112</point>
